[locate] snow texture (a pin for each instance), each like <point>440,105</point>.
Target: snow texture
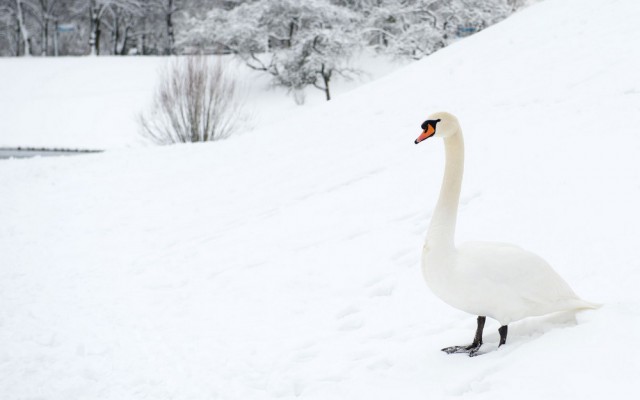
<point>285,263</point>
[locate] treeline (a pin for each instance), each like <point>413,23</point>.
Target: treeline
<point>410,28</point>
<point>82,27</point>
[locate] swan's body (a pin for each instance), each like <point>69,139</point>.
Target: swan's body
<point>497,280</point>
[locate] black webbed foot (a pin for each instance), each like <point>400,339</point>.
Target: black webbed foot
<point>474,347</point>
<point>471,349</point>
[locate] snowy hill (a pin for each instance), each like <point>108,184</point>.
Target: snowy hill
<point>284,262</point>
<point>94,102</point>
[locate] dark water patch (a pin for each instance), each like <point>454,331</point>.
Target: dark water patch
<point>26,152</point>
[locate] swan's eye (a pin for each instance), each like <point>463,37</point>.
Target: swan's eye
<point>432,122</point>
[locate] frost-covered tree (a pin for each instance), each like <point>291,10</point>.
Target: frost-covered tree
<point>406,28</point>
<point>260,28</point>
<point>298,43</point>
<point>97,8</point>
<point>34,22</point>
<point>416,28</point>
<point>163,21</point>
<point>14,15</point>
<point>463,17</point>
<point>314,58</point>
<point>9,40</point>
<point>115,15</point>
<point>46,13</point>
<point>165,12</point>
<point>22,27</point>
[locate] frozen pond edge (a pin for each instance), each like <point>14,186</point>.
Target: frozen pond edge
<point>26,152</point>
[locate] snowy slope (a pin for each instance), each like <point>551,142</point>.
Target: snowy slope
<point>94,102</point>
<point>284,263</point>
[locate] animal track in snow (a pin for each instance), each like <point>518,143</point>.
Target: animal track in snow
<point>382,335</point>
<point>479,384</point>
<point>398,255</point>
<point>345,312</point>
<point>304,356</point>
<point>406,258</point>
<point>385,289</point>
<point>349,318</point>
<point>351,324</point>
<point>466,199</point>
<point>381,364</point>
<point>363,355</point>
<point>306,345</point>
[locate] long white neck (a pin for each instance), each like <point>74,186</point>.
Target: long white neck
<point>443,222</point>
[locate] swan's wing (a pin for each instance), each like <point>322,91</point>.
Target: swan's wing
<point>514,272</point>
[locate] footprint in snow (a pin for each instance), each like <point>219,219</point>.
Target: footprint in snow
<point>345,312</point>
<point>384,289</point>
<point>465,200</point>
<point>351,324</point>
<point>381,364</point>
<point>363,355</point>
<point>382,335</point>
<point>304,356</point>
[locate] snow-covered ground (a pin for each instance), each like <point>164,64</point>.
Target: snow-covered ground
<point>94,102</point>
<point>284,263</point>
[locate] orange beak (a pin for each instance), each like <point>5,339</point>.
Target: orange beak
<point>426,134</point>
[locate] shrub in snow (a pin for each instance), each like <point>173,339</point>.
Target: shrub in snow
<point>196,101</point>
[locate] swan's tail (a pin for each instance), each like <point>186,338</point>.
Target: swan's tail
<point>586,305</point>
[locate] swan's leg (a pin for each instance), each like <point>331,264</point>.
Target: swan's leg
<point>503,335</point>
<point>473,348</point>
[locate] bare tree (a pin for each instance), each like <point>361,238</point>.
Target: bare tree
<point>22,27</point>
<point>196,101</point>
<point>99,9</point>
<point>9,41</point>
<point>162,14</point>
<point>123,18</point>
<point>46,13</point>
<point>168,8</point>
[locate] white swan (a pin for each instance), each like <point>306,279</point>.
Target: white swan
<point>494,280</point>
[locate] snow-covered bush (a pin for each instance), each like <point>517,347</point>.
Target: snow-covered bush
<point>196,101</point>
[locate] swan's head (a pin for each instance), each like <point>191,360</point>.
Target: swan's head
<point>440,124</point>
